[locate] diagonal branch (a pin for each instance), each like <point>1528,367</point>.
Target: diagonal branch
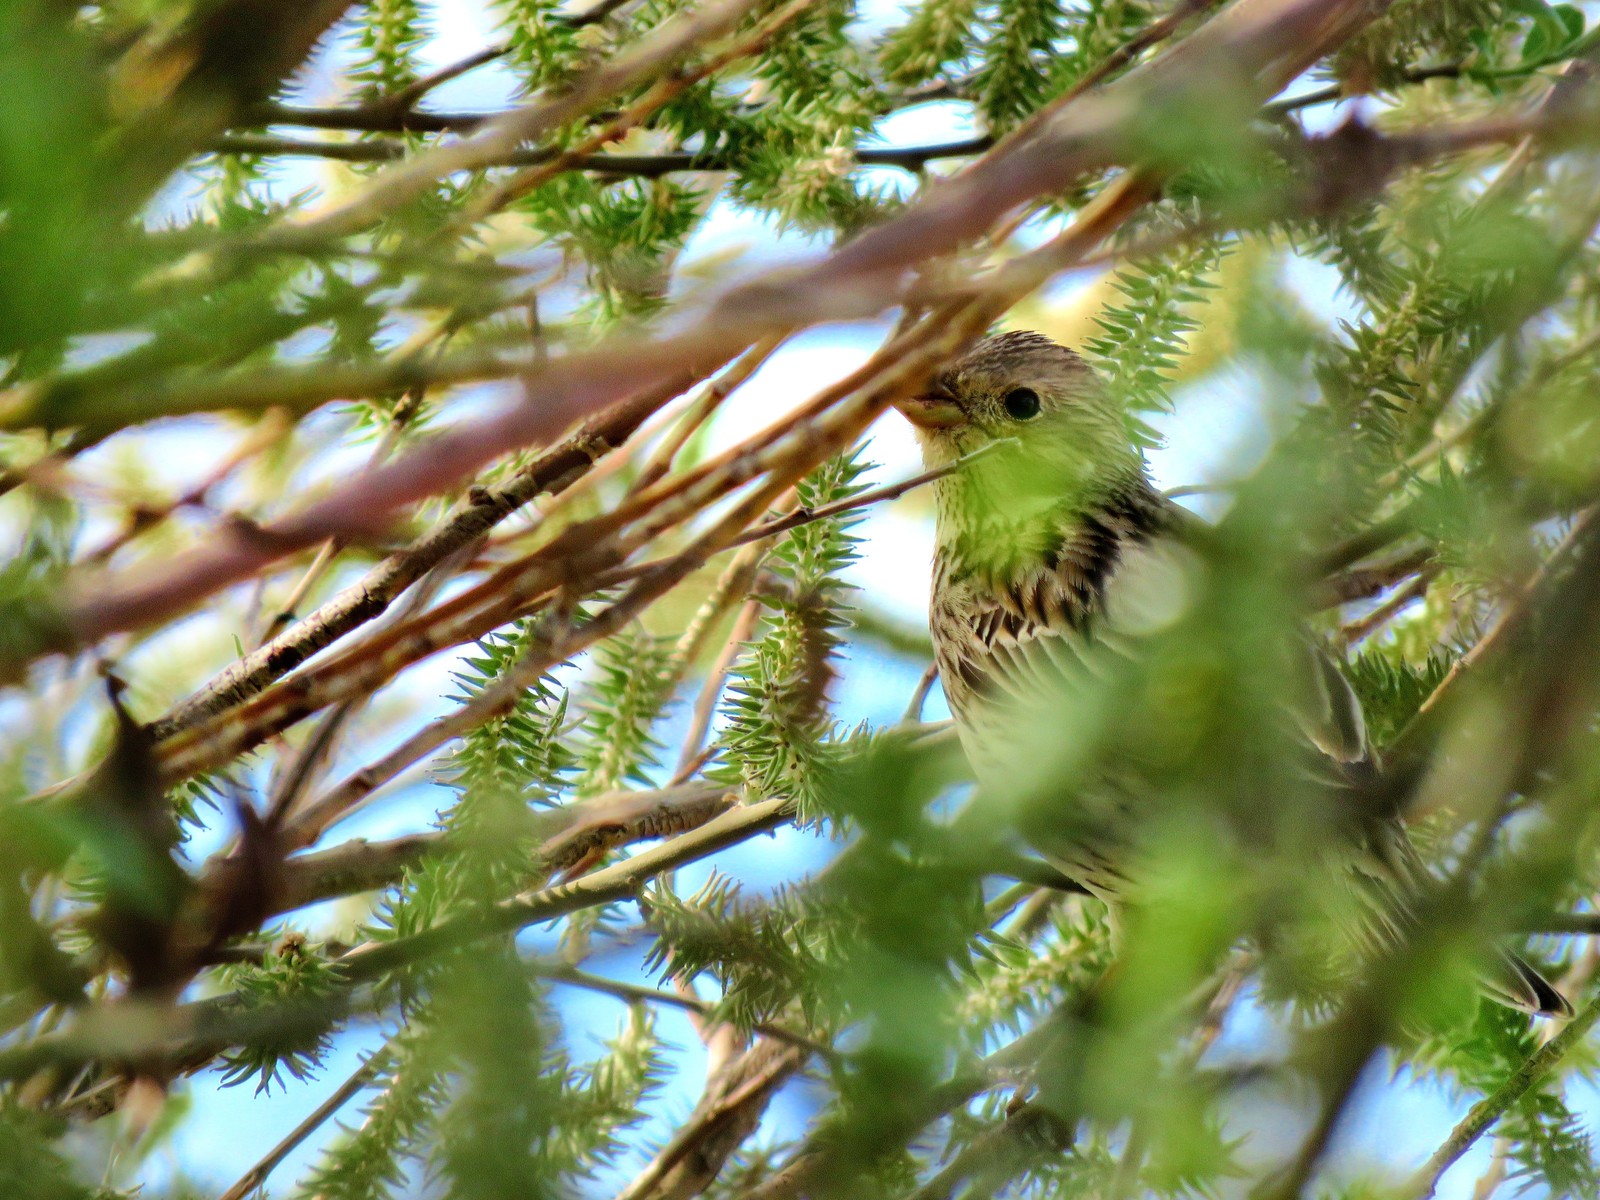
<point>857,280</point>
<point>552,471</point>
<point>1492,1107</point>
<point>362,1077</point>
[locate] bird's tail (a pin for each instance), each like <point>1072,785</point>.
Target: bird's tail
<point>1516,984</point>
<point>1389,875</point>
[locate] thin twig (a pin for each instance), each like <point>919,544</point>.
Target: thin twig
<point>711,398</point>
<point>562,972</point>
<point>267,430</point>
<point>1362,628</point>
<point>727,1113</point>
<point>647,166</point>
<point>552,471</point>
<point>350,868</point>
<point>360,1078</point>
<point>406,98</point>
<point>1337,91</point>
<point>1511,620</point>
<point>329,550</point>
<point>919,696</point>
<point>734,583</point>
<point>1482,1116</point>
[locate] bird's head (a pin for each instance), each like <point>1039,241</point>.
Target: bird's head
<point>1054,439</point>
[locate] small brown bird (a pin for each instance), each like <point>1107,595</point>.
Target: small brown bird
<point>1051,545</point>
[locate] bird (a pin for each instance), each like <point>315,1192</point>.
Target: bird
<point>1051,544</point>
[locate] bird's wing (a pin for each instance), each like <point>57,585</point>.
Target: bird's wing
<point>1329,712</point>
<point>1031,641</point>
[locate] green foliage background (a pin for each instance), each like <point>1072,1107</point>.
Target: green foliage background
<point>955,1018</point>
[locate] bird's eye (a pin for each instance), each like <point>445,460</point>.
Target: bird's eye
<point>1022,404</point>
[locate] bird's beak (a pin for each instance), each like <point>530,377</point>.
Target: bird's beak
<point>932,409</point>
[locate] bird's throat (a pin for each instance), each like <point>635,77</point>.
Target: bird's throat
<point>999,538</point>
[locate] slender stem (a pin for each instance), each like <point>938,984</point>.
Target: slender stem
<point>363,1075</point>
<point>1512,618</point>
<point>635,993</point>
<point>735,581</point>
<point>647,166</point>
<point>711,398</point>
<point>406,98</point>
<point>1403,597</point>
<point>1481,1118</point>
<point>807,516</point>
<point>919,696</point>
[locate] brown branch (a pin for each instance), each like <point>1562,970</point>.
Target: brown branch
<point>735,582</point>
<point>407,97</point>
<point>856,281</point>
<point>647,166</point>
<point>399,417</point>
<point>561,972</point>
<point>877,495</point>
<point>727,1113</point>
<point>919,695</point>
<point>592,827</point>
<point>621,881</point>
<point>1365,543</point>
<point>350,868</point>
<point>294,389</point>
<point>552,471</point>
<point>712,398</point>
<point>365,119</point>
<point>1361,583</point>
<point>1380,616</point>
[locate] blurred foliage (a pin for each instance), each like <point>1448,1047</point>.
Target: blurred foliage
<point>190,347</point>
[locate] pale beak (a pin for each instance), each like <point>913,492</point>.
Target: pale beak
<point>934,409</point>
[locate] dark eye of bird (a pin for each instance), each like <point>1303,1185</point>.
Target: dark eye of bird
<point>1022,404</point>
